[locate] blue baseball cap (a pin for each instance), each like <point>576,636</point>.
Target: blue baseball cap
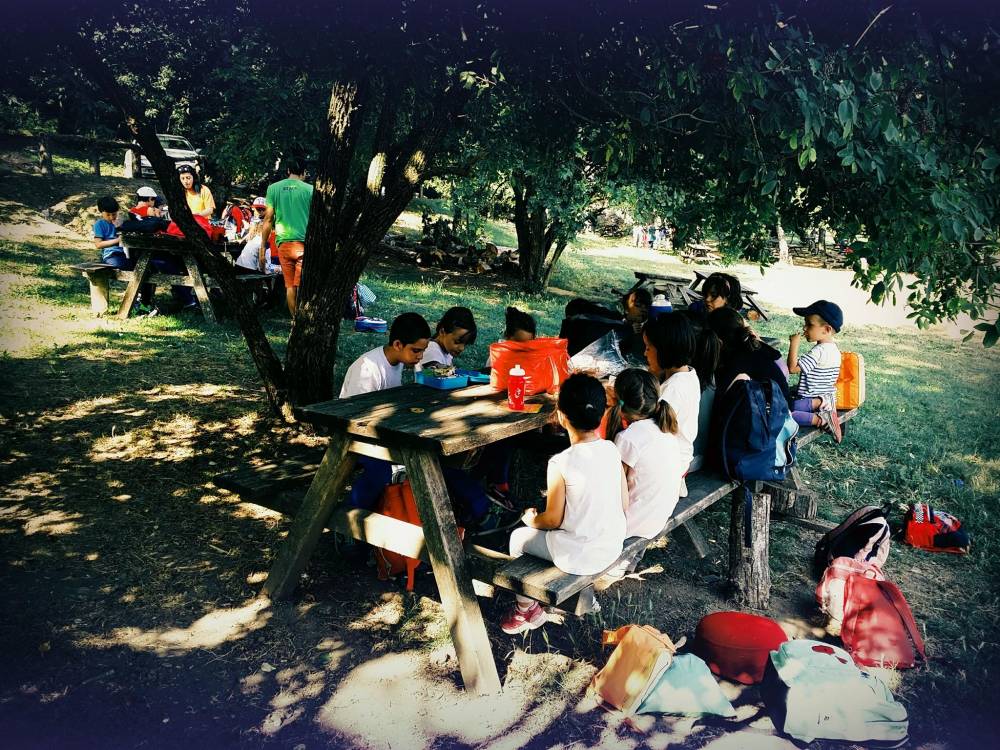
<point>828,311</point>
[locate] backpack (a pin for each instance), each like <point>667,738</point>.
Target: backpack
<point>397,502</point>
<point>813,690</point>
<point>863,536</point>
<point>851,382</point>
<point>353,307</point>
<point>634,668</point>
<point>830,593</point>
<point>755,435</point>
<point>935,530</point>
<point>878,628</point>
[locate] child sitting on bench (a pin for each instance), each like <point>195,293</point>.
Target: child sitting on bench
<point>455,331</point>
<point>582,528</point>
<point>381,369</point>
<point>816,394</point>
<point>650,451</point>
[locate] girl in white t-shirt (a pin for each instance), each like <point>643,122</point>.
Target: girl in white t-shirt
<point>582,528</point>
<point>455,331</point>
<point>650,449</point>
<point>670,347</point>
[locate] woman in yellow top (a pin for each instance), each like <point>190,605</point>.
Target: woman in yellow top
<point>199,197</point>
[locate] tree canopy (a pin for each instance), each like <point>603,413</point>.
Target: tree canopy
<point>876,122</point>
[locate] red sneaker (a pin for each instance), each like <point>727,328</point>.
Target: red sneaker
<point>517,621</point>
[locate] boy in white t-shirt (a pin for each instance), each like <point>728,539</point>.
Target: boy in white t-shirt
<point>582,528</point>
<point>380,369</point>
<point>455,331</point>
<point>377,370</point>
<point>815,401</point>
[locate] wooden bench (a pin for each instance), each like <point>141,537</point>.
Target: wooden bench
<point>278,485</point>
<point>100,275</point>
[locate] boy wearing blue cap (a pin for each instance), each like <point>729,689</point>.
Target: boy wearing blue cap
<point>816,396</point>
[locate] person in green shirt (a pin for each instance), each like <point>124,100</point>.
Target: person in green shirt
<point>287,215</point>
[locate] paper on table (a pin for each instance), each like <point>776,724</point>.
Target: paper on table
<point>528,408</point>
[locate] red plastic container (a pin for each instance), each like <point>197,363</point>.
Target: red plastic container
<point>737,645</point>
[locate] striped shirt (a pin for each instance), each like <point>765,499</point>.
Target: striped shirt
<point>820,370</point>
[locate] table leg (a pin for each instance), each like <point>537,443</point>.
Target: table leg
<point>461,608</point>
<point>319,502</point>
<point>200,290</point>
<point>140,272</point>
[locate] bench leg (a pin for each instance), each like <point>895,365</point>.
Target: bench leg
<point>307,526</point>
<point>458,599</point>
<point>791,498</point>
<point>749,568</point>
<point>132,290</point>
<point>697,539</point>
<point>99,292</point>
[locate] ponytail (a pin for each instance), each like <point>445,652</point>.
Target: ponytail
<point>666,417</point>
<point>614,422</point>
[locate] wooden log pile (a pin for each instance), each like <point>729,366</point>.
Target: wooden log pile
<point>447,254</point>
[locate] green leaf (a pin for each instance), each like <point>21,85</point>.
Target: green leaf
<point>983,326</point>
<point>793,142</point>
<point>991,337</point>
<point>992,163</point>
<point>875,80</point>
<point>878,292</point>
<point>844,112</point>
<point>803,158</point>
<point>769,187</point>
<point>891,133</point>
<point>645,116</point>
<point>812,154</point>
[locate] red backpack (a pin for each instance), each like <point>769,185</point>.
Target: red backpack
<point>832,589</point>
<point>397,501</point>
<point>879,629</point>
<point>935,530</point>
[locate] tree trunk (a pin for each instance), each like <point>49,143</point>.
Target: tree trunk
<point>45,158</point>
<point>783,255</point>
<point>347,220</point>
<point>534,237</point>
<point>95,160</point>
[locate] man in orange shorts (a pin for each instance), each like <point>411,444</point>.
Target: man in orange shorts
<point>287,214</point>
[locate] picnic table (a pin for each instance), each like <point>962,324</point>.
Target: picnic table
<point>142,246</point>
<point>748,293</point>
<point>683,290</point>
<point>418,427</point>
<point>423,428</point>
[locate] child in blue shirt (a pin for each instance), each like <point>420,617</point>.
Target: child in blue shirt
<point>106,237</point>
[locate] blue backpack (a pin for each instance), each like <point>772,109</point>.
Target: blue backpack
<point>755,432</point>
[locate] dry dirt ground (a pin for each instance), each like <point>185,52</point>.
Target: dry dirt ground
<point>130,583</point>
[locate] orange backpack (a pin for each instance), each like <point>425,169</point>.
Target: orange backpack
<point>851,383</point>
<point>397,501</point>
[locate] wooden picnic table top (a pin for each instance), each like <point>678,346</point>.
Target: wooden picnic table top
<point>445,422</point>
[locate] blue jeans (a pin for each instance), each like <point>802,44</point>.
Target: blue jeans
<point>467,495</point>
